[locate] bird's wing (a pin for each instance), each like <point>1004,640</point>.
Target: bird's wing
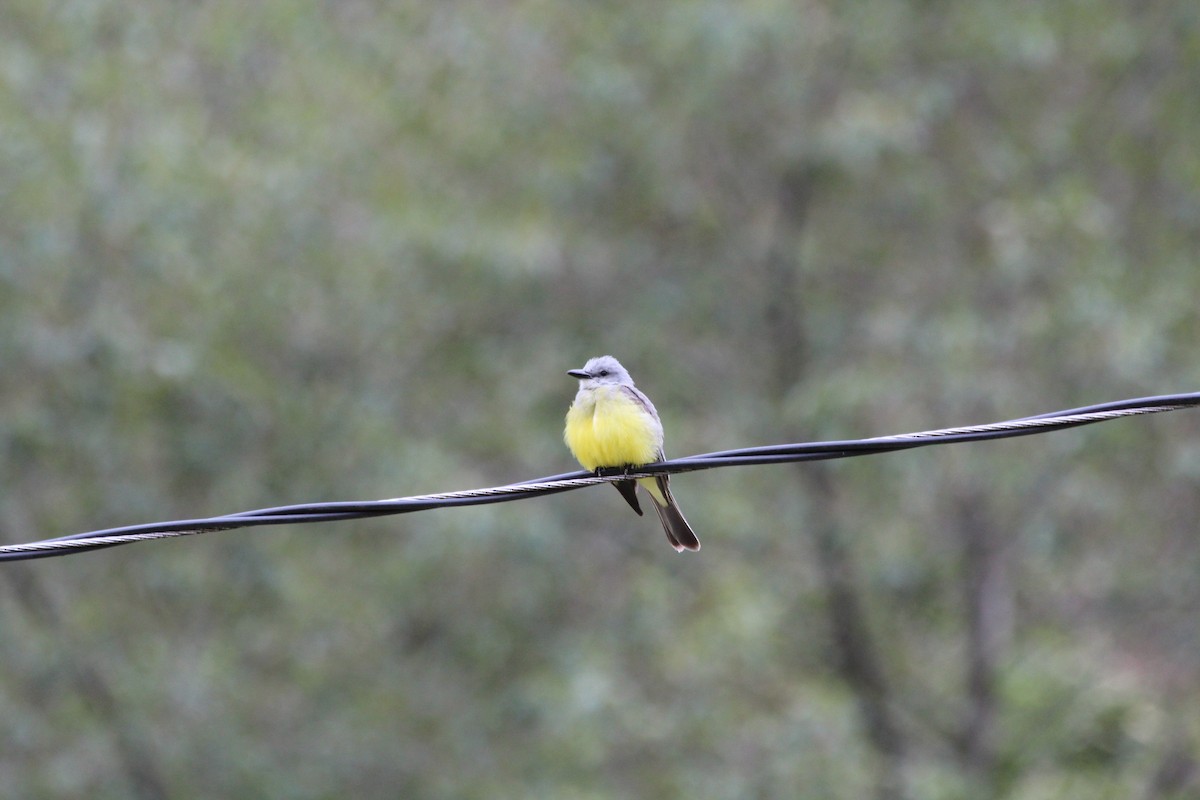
<point>636,395</point>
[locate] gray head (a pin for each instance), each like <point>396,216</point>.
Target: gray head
<point>602,371</point>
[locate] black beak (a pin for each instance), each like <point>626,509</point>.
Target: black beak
<point>578,373</point>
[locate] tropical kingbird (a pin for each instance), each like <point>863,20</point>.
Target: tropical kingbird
<point>613,424</point>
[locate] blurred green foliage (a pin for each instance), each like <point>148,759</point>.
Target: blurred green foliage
<point>254,254</point>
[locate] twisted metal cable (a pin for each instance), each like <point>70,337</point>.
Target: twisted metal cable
<point>769,454</point>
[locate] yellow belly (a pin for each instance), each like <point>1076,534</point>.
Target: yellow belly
<point>609,429</point>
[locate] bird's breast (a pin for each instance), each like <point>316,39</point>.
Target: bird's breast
<point>607,428</point>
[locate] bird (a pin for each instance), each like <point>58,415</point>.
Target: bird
<point>612,423</point>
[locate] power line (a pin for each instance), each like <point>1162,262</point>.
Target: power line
<point>747,456</point>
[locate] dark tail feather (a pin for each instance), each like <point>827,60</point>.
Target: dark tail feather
<point>679,533</point>
<point>628,490</point>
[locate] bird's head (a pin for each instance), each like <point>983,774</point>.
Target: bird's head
<point>601,371</point>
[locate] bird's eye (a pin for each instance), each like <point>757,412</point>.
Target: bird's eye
<point>603,373</point>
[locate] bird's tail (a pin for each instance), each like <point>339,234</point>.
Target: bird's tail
<point>679,533</point>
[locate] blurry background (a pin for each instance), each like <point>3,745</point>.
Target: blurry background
<point>267,253</point>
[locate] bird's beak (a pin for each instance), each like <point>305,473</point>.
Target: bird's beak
<point>578,373</point>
